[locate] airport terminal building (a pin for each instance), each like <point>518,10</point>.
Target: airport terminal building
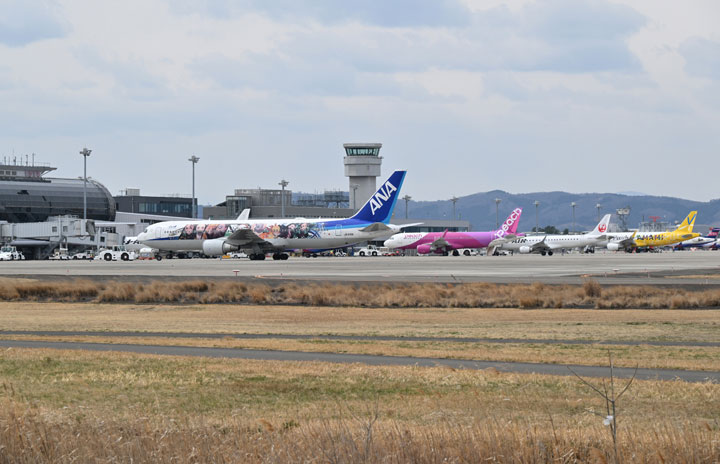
<point>26,195</point>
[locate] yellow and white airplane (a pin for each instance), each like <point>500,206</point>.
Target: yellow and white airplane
<point>631,240</point>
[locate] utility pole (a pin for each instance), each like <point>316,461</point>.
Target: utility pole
<point>283,183</point>
<point>193,159</point>
<point>407,198</point>
<point>85,153</point>
<point>454,200</point>
<point>537,225</point>
<point>497,214</point>
<point>573,204</point>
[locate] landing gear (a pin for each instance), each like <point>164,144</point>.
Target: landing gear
<point>257,256</point>
<point>456,253</point>
<point>466,252</point>
<point>280,256</point>
<point>550,253</point>
<point>542,253</point>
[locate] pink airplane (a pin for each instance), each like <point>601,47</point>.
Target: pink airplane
<point>443,243</point>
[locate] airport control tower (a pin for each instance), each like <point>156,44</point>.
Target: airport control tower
<point>362,166</point>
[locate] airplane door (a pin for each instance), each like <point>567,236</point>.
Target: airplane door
<point>338,231</point>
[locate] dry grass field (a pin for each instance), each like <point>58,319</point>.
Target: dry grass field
<point>60,406</point>
<point>75,406</point>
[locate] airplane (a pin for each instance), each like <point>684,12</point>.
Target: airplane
<point>630,241</point>
<point>445,242</point>
<point>709,241</point>
<point>548,244</point>
<point>257,237</point>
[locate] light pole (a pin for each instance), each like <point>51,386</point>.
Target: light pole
<point>454,200</point>
<point>407,198</point>
<point>497,214</point>
<point>193,159</point>
<point>573,204</point>
<point>283,183</point>
<point>85,152</point>
<point>537,225</point>
<point>598,206</point>
<point>354,188</point>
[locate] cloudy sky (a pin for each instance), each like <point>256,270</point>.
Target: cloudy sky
<point>467,95</point>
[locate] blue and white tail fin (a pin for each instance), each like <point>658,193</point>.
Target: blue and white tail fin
<point>380,206</point>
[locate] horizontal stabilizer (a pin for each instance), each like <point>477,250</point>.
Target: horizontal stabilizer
<point>377,227</point>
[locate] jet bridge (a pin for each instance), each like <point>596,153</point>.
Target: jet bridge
<point>38,240</point>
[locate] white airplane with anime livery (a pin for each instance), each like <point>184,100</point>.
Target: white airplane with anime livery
<point>256,237</point>
<point>549,244</point>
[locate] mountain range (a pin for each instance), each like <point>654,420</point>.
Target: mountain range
<point>555,209</point>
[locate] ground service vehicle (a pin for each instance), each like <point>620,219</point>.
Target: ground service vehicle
<point>116,253</point>
<point>10,253</point>
<point>372,250</point>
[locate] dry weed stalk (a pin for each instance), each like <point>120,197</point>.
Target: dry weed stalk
<point>611,399</point>
<point>468,295</point>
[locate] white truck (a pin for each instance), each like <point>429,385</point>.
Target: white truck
<point>10,253</point>
<point>115,253</point>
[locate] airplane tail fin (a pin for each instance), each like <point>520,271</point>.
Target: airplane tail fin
<point>602,226</point>
<point>380,206</point>
<point>714,231</point>
<point>688,222</point>
<point>511,223</point>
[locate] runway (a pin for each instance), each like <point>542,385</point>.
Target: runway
<point>376,360</point>
<point>669,268</point>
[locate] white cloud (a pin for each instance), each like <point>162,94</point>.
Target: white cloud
<point>469,96</point>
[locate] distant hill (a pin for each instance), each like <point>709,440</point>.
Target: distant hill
<point>555,209</point>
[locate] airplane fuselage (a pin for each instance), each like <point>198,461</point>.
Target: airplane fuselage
<point>553,242</point>
<point>289,234</point>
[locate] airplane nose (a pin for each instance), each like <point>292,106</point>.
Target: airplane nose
<point>142,236</point>
<point>389,243</point>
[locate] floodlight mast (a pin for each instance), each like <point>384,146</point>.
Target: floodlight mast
<point>85,152</point>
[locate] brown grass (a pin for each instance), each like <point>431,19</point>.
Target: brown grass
<point>598,324</point>
<point>103,407</point>
<point>469,295</point>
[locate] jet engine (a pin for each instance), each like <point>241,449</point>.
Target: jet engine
<point>524,249</point>
<point>423,249</point>
<point>217,247</point>
<point>613,247</point>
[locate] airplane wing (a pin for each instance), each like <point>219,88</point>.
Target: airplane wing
<point>440,242</point>
<point>540,246</point>
<point>246,238</point>
<point>628,242</point>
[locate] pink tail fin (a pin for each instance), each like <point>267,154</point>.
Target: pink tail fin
<point>511,223</point>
